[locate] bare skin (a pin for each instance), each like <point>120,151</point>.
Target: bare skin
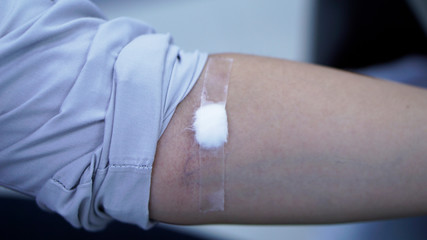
<point>307,144</point>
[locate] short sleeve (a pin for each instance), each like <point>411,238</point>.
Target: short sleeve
<point>84,102</point>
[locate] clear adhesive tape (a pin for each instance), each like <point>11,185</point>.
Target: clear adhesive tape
<point>212,159</point>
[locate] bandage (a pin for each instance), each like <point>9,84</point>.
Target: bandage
<point>211,132</point>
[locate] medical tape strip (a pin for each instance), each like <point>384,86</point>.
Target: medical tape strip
<point>212,159</point>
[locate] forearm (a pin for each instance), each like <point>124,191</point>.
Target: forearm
<point>307,144</point>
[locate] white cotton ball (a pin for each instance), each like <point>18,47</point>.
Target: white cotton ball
<point>210,125</point>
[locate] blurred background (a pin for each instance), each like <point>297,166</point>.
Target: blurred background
<point>272,27</point>
<point>382,38</point>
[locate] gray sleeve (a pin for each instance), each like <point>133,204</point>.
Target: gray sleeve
<point>84,102</point>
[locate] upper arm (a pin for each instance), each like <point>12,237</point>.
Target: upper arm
<point>306,144</point>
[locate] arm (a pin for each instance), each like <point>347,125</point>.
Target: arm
<point>307,144</point>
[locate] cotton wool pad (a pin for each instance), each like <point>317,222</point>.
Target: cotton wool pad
<point>210,125</point>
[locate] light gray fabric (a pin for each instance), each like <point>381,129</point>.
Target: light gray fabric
<point>83,103</point>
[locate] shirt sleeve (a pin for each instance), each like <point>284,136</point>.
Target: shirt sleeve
<point>84,102</point>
